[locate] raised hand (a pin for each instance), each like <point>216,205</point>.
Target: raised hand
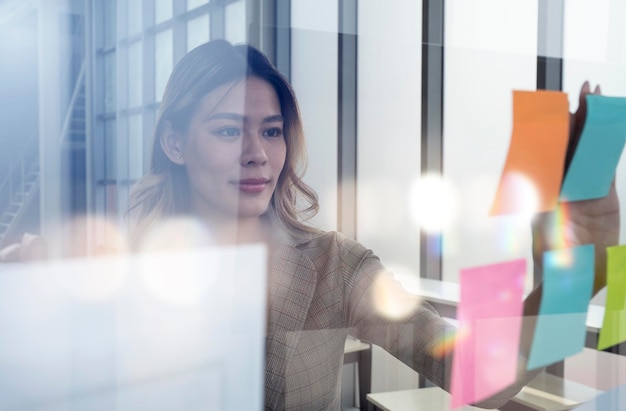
<point>576,223</point>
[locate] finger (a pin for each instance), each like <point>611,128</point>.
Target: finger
<point>597,90</point>
<point>577,120</point>
<point>581,112</point>
<point>584,90</point>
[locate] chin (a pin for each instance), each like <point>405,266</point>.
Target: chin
<point>252,212</point>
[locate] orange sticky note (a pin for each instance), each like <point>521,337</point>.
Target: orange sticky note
<point>533,171</point>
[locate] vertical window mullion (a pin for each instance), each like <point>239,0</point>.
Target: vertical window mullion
<point>550,45</point>
<point>550,77</point>
<point>283,37</point>
<point>432,120</point>
<point>347,118</point>
<point>179,32</point>
<point>218,23</point>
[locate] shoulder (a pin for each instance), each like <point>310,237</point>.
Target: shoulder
<point>327,240</point>
<point>335,248</point>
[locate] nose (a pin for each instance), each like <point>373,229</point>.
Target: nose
<point>252,150</point>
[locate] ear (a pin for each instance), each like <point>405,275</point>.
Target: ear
<point>171,143</point>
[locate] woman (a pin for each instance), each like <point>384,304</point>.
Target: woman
<point>228,151</point>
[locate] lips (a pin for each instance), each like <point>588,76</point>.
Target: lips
<point>252,185</point>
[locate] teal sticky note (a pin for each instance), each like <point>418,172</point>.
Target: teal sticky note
<point>613,400</point>
<point>601,143</point>
<point>567,287</point>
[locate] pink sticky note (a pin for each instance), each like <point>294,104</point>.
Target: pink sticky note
<point>486,349</point>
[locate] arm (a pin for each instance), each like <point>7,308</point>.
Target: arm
<point>31,248</point>
<point>411,339</point>
<point>588,222</point>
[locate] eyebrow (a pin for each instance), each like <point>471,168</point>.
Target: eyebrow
<point>238,117</point>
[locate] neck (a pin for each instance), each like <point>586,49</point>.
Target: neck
<point>241,231</point>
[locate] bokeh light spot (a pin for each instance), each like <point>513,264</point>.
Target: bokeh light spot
<point>170,268</point>
<point>519,194</point>
<point>433,203</point>
<point>94,235</point>
<point>103,278</point>
<point>176,234</point>
<point>391,298</point>
<point>407,278</point>
<point>178,278</point>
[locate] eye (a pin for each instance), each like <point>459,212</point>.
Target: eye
<point>227,132</point>
<point>273,132</point>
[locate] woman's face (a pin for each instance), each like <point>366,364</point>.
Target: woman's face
<point>234,150</point>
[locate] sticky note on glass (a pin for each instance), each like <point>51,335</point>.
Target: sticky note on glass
<point>612,400</point>
<point>486,349</point>
<point>614,324</point>
<point>567,287</point>
<point>533,171</point>
<point>601,143</point>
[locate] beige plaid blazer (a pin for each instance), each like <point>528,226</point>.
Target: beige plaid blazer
<point>319,292</point>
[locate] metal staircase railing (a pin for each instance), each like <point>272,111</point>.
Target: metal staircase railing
<point>18,189</point>
<point>21,184</point>
<point>74,123</point>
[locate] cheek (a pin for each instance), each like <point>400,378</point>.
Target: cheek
<point>281,157</point>
<point>213,156</point>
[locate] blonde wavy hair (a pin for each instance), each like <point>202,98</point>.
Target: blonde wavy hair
<point>164,191</point>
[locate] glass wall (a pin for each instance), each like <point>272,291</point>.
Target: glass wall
<point>490,50</point>
<point>314,65</point>
<point>137,45</point>
<point>389,130</point>
<point>594,50</point>
<point>397,138</point>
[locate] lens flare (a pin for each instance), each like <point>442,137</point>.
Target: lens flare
<point>433,203</point>
<point>176,234</point>
<point>408,279</point>
<point>519,194</point>
<point>391,298</point>
<point>177,276</point>
<point>94,235</point>
<point>445,345</point>
<point>97,236</point>
<point>520,199</point>
<point>560,237</point>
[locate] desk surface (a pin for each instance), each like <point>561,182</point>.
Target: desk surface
<point>355,346</point>
<point>549,392</point>
<point>448,293</point>
<point>546,393</point>
<point>432,398</point>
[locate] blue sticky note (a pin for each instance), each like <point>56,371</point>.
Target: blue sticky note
<point>567,287</point>
<point>613,400</point>
<point>601,143</point>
